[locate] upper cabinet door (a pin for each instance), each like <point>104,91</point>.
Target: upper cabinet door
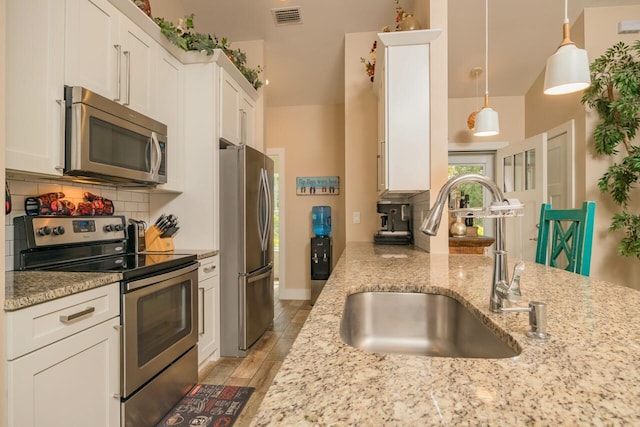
<point>34,89</point>
<point>109,55</point>
<point>94,54</point>
<point>247,121</point>
<point>137,67</point>
<point>169,110</point>
<point>230,121</point>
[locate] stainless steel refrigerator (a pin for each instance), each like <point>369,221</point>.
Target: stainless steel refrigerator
<point>246,248</point>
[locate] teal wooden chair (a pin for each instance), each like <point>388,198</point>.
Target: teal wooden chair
<point>565,237</point>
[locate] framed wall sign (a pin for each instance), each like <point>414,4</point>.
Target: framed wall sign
<point>317,185</point>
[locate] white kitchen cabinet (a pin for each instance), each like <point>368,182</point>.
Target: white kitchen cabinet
<point>169,90</point>
<point>208,310</point>
<point>237,112</point>
<point>35,87</point>
<point>65,370</point>
<point>109,55</point>
<point>404,111</point>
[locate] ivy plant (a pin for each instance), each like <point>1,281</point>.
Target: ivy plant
<point>187,40</point>
<point>615,95</point>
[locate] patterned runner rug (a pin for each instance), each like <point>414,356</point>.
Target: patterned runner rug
<point>208,405</point>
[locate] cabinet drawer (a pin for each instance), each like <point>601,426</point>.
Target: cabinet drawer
<point>208,268</point>
<point>35,327</point>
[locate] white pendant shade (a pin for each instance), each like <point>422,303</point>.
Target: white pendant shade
<point>487,123</point>
<point>567,71</point>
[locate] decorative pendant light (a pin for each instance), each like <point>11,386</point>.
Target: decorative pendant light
<point>487,123</point>
<point>567,69</point>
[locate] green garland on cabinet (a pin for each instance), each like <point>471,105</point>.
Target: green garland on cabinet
<point>188,41</point>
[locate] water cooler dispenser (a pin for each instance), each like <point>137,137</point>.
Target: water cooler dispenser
<point>320,249</point>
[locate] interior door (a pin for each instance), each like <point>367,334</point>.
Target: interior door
<point>561,166</point>
<point>522,175</point>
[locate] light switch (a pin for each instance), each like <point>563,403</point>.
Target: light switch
<point>356,217</point>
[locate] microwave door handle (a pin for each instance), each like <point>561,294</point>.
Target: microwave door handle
<point>158,150</point>
<point>147,156</point>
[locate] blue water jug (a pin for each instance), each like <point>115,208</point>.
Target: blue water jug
<point>321,217</point>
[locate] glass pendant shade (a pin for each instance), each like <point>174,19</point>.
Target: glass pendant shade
<point>487,123</point>
<point>567,71</point>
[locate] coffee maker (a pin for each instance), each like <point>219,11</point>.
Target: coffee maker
<point>395,224</point>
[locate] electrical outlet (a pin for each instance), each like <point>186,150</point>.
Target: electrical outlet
<point>356,217</point>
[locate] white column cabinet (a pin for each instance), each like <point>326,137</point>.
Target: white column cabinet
<point>63,372</point>
<point>35,87</point>
<point>109,55</point>
<point>208,310</point>
<point>404,112</point>
<point>169,92</point>
<point>237,112</point>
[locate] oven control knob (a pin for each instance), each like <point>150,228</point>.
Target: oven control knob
<point>44,231</point>
<point>59,230</point>
<point>118,227</point>
<point>109,227</point>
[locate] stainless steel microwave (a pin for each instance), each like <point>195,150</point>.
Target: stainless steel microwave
<point>109,142</point>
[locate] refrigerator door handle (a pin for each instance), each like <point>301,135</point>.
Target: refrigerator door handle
<point>269,221</point>
<point>261,224</point>
<point>265,206</point>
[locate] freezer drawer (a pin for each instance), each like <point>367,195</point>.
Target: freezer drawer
<point>256,299</point>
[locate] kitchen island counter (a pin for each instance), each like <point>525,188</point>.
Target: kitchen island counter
<point>586,374</point>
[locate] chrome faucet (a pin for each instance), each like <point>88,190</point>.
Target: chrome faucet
<point>501,288</point>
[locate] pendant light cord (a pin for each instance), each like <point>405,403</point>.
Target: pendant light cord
<point>486,52</point>
<point>566,11</point>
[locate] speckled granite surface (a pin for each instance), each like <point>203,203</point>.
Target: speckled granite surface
<point>200,253</point>
<point>587,374</point>
<point>27,288</point>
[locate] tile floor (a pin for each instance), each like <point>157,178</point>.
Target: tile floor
<point>262,363</point>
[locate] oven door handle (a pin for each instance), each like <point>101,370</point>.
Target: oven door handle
<point>159,278</point>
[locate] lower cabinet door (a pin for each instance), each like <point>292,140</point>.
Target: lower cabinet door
<point>73,382</point>
<point>207,342</point>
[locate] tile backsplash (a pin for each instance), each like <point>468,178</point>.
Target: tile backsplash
<point>419,211</point>
<point>131,204</point>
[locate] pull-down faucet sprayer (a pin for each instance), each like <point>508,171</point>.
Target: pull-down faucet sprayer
<point>500,284</point>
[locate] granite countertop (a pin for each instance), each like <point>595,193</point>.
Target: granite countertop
<point>586,374</point>
<point>27,288</point>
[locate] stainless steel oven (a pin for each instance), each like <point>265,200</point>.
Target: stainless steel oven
<point>159,319</point>
<point>159,301</point>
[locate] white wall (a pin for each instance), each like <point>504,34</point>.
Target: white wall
<point>312,137</point>
<point>360,140</point>
<point>3,365</point>
<point>600,34</point>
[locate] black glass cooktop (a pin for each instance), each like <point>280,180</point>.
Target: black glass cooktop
<point>130,265</point>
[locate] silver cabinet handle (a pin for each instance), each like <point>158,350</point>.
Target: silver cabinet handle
<point>127,54</point>
<point>70,317</point>
<point>201,325</point>
<point>118,66</point>
<point>63,112</point>
<point>243,127</point>
<point>209,269</point>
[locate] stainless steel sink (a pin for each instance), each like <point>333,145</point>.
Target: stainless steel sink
<point>418,324</point>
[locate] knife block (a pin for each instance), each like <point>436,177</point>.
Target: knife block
<point>155,243</point>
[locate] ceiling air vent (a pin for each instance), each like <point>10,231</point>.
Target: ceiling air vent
<point>287,15</point>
